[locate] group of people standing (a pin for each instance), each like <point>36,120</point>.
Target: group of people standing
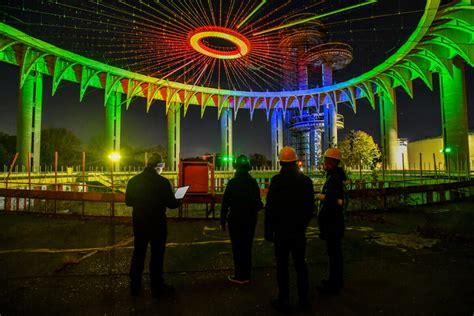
<point>290,205</point>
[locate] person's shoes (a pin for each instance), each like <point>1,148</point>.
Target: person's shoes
<point>162,289</point>
<point>235,280</point>
<point>280,305</point>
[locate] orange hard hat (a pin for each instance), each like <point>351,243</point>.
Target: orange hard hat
<point>333,153</point>
<point>287,154</point>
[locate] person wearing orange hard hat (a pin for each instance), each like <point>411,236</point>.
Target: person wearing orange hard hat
<point>288,210</point>
<point>331,219</point>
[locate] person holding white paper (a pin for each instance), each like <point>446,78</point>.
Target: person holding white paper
<point>149,194</point>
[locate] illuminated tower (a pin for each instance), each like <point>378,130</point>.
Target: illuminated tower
<point>29,121</point>
<point>296,42</point>
<point>389,130</point>
<point>226,138</point>
<point>330,56</point>
<point>173,122</point>
<point>454,119</point>
<point>113,119</point>
<point>306,46</point>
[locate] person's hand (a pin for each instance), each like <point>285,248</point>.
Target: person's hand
<point>320,196</point>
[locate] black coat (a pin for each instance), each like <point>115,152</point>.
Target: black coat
<point>290,204</point>
<point>241,201</point>
<point>150,194</point>
<point>331,215</point>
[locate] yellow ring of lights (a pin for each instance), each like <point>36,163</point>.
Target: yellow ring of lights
<point>242,44</point>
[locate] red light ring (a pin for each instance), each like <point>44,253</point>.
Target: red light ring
<point>197,36</point>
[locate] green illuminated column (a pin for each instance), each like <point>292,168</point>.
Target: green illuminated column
<point>389,130</point>
<point>113,119</point>
<point>174,136</point>
<point>454,118</point>
<point>226,139</point>
<point>277,136</point>
<point>30,103</point>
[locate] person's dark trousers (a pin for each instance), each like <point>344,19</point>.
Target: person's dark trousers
<point>241,237</point>
<point>158,245</point>
<point>334,250</point>
<point>297,247</point>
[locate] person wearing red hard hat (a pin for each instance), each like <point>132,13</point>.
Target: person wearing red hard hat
<point>289,208</point>
<point>331,219</point>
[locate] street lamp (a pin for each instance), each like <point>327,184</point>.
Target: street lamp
<point>114,157</point>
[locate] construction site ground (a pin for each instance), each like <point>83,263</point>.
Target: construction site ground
<point>418,260</point>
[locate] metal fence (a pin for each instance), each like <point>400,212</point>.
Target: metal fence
<point>94,194</point>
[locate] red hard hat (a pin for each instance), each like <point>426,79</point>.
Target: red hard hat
<point>287,154</point>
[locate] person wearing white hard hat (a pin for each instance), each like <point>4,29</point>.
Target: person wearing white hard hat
<point>149,194</point>
<point>289,208</point>
<point>331,219</point>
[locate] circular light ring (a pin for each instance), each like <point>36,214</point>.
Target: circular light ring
<point>242,43</point>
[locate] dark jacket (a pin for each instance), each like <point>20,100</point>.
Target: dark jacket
<point>241,201</point>
<point>290,204</point>
<point>150,194</point>
<point>331,215</point>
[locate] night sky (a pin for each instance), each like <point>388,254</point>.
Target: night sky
<point>417,118</point>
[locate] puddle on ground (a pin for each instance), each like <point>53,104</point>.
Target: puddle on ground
<point>360,228</point>
<point>438,211</point>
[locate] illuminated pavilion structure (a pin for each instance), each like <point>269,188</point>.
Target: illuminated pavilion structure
<point>442,42</point>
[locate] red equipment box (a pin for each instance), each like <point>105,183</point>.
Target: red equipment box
<point>195,174</point>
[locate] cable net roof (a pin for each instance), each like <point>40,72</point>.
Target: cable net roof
<point>154,37</point>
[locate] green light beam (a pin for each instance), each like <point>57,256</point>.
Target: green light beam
<point>251,13</point>
<point>317,17</point>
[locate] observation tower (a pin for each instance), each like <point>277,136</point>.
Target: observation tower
<point>306,46</point>
<point>329,57</point>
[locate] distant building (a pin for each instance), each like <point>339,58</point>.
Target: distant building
<point>434,145</point>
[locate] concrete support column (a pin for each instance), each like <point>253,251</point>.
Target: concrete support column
<point>226,139</point>
<point>454,118</point>
<point>30,104</point>
<point>276,128</point>
<point>113,126</point>
<point>288,138</point>
<point>330,111</point>
<point>330,126</point>
<point>389,130</point>
<point>315,147</point>
<point>174,136</point>
<point>333,139</point>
